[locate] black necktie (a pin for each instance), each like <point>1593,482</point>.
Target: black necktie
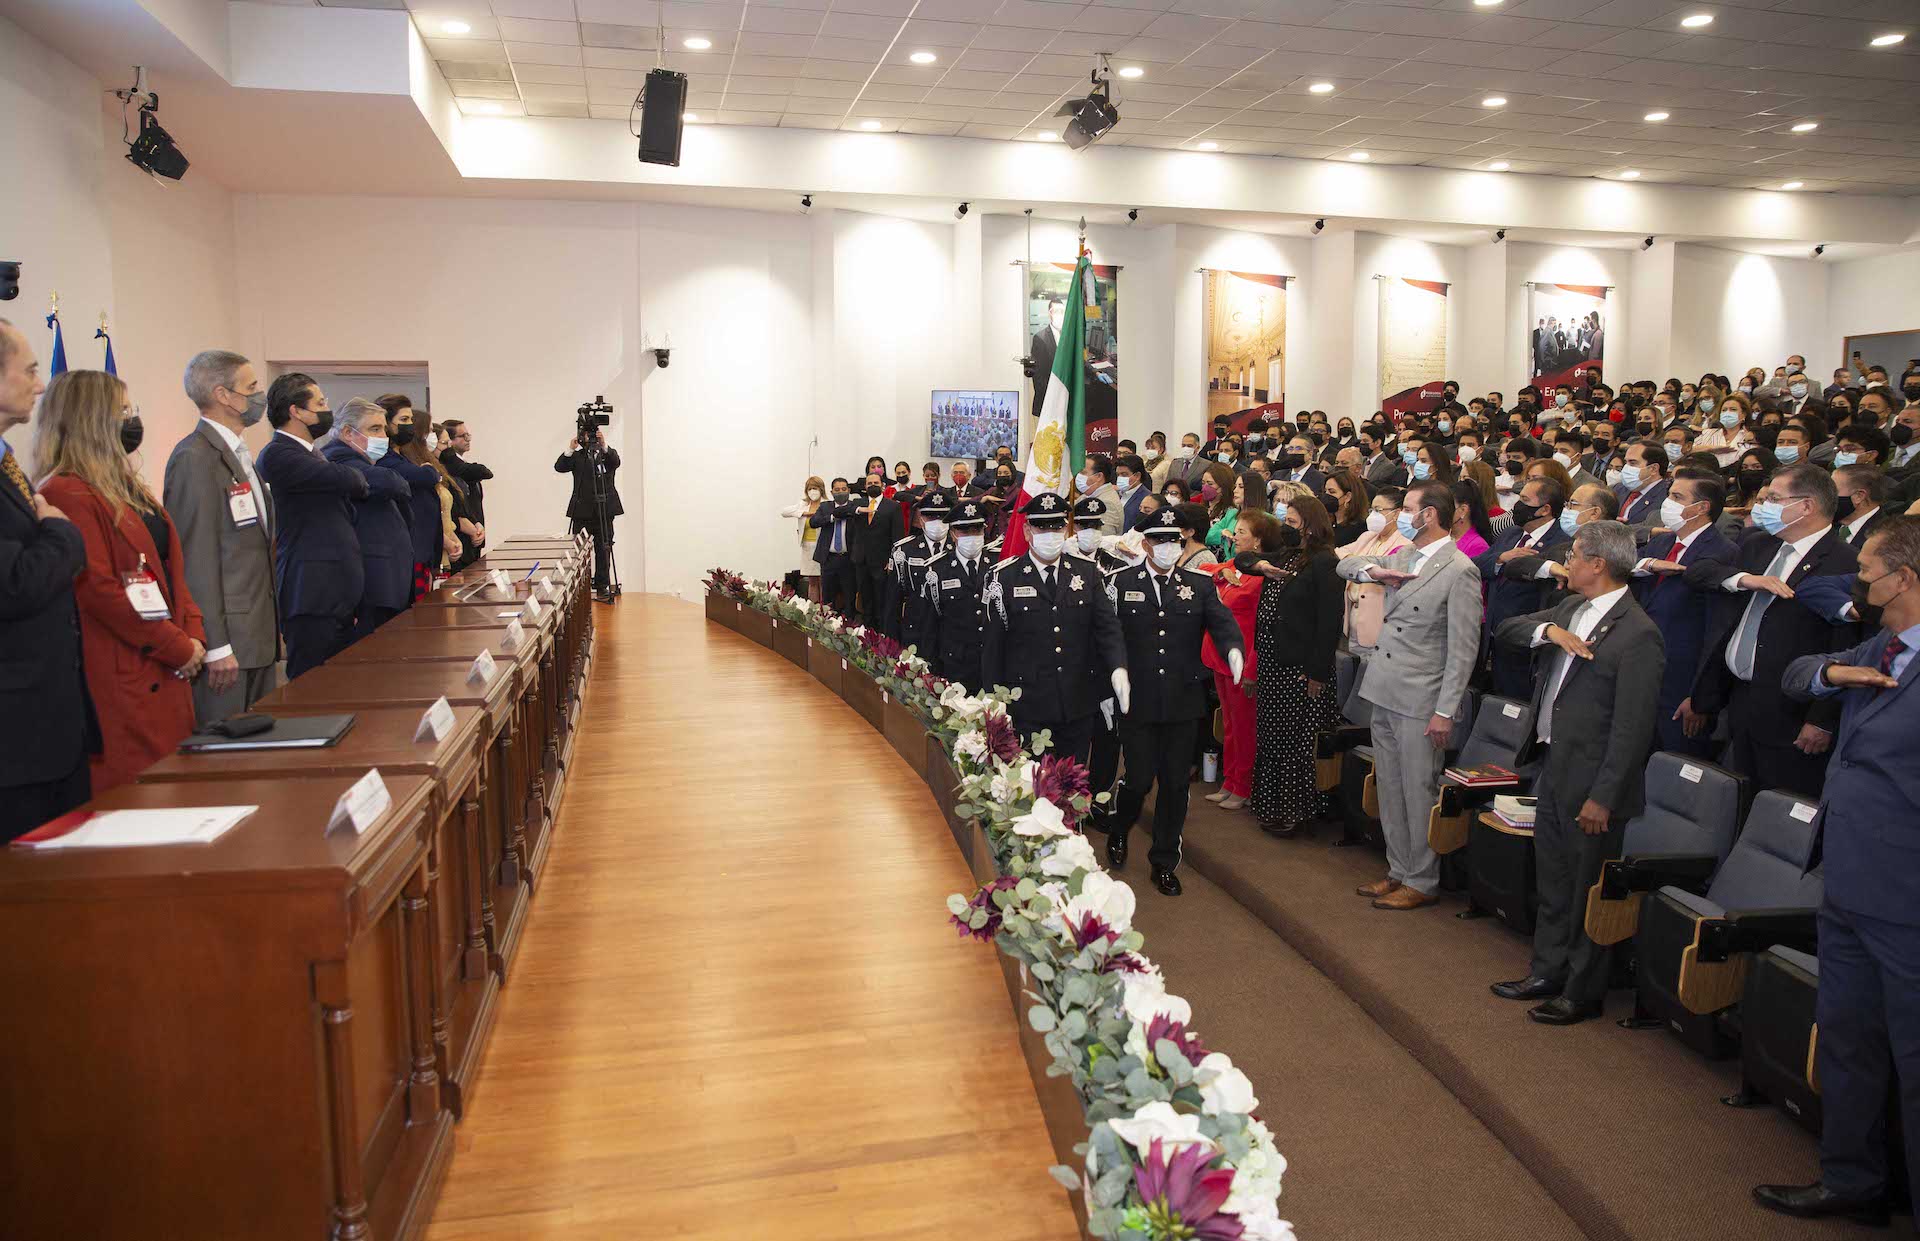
<point>1046,575</point>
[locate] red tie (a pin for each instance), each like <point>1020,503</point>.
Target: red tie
<point>1894,647</point>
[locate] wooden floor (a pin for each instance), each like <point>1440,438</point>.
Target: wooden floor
<point>739,1011</point>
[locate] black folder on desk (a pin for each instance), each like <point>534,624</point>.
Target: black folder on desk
<point>293,732</point>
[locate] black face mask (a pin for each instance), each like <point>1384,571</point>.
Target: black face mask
<point>1912,391</point>
<point>1290,461</point>
<point>1003,480</point>
<point>1843,508</point>
<point>841,497</point>
<point>1869,615</point>
<point>131,433</point>
<point>1752,480</point>
<point>900,480</point>
<point>1901,434</point>
<point>1525,514</point>
<point>874,489</point>
<point>322,423</point>
<point>401,436</point>
<point>1514,466</point>
<point>1289,537</point>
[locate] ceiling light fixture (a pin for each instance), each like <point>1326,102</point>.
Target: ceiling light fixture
<point>1697,20</point>
<point>1047,135</point>
<point>455,27</point>
<point>1656,117</point>
<point>1092,116</point>
<point>923,58</point>
<point>1132,71</point>
<point>1321,88</point>
<point>1208,146</point>
<point>1360,155</point>
<point>1494,101</point>
<point>1806,127</point>
<point>1485,4</point>
<point>1793,185</point>
<point>1631,174</point>
<point>689,116</point>
<point>1498,165</point>
<point>869,125</point>
<point>697,44</point>
<point>1888,40</point>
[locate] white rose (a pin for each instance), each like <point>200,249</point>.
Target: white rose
<point>1158,1121</point>
<point>1101,895</point>
<point>1045,819</point>
<point>1228,1090</point>
<point>1261,1221</point>
<point>972,744</point>
<point>1145,997</point>
<point>1256,1179</point>
<point>999,790</point>
<point>1069,853</point>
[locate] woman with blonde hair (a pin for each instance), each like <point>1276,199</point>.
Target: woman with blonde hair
<point>141,636</point>
<point>812,494</point>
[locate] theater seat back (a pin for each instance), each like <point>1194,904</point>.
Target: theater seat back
<point>1692,807</point>
<point>1766,868</point>
<point>1347,671</point>
<point>1500,728</point>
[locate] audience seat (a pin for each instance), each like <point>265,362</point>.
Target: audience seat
<point>1692,815</point>
<point>1777,1035</point>
<point>1496,730</point>
<point>1694,949</point>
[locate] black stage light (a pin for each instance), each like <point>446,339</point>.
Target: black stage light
<point>9,280</point>
<point>663,104</point>
<point>1090,118</point>
<point>153,149</point>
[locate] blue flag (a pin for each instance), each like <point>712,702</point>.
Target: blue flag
<point>59,346</point>
<point>100,333</point>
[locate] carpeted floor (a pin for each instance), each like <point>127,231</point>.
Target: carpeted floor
<point>1413,1099</point>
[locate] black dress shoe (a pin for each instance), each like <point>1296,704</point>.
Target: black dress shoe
<point>1279,829</point>
<point>1560,1011</point>
<point>1532,987</point>
<point>1117,850</point>
<point>1167,882</point>
<point>1816,1201</point>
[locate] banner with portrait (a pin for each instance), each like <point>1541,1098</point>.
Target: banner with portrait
<point>1413,344</point>
<point>1566,331</point>
<point>1244,330</point>
<point>1047,285</point>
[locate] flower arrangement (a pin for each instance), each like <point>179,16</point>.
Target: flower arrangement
<point>1174,1149</point>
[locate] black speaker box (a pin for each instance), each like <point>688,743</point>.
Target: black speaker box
<point>661,121</point>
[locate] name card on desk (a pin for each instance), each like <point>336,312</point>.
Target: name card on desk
<point>546,587</point>
<point>437,723</point>
<point>516,634</point>
<point>498,580</point>
<point>533,608</point>
<point>364,803</point>
<point>481,673</point>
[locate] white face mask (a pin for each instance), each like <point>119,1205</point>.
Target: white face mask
<point>1123,484</point>
<point>1467,453</point>
<point>1086,540</point>
<point>1047,544</point>
<point>1187,451</point>
<point>1164,555</point>
<point>1613,478</point>
<point>969,545</point>
<point>1151,454</point>
<point>936,530</point>
<point>1224,458</point>
<point>1563,459</point>
<point>813,493</point>
<point>1673,514</point>
<point>433,442</point>
<point>1376,522</point>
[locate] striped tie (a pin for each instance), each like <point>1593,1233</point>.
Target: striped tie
<point>10,466</point>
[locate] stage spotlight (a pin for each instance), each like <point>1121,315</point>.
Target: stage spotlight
<point>1499,236</point>
<point>1090,118</point>
<point>1318,226</point>
<point>1133,215</point>
<point>806,203</point>
<point>1820,249</point>
<point>152,150</point>
<point>9,280</point>
<point>960,212</point>
<point>1647,244</point>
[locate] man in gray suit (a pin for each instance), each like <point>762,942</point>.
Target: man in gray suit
<point>225,519</point>
<point>1416,679</point>
<point>1597,676</point>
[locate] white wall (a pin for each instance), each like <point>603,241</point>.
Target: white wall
<point>1732,311</point>
<point>1867,296</point>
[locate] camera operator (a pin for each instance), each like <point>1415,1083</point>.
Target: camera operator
<point>595,502</point>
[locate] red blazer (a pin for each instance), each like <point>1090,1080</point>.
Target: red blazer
<point>144,710</point>
<point>1243,600</point>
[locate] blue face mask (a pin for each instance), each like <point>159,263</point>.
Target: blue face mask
<point>1405,525</point>
<point>1787,453</point>
<point>1080,483</point>
<point>1630,477</point>
<point>1706,404</point>
<point>1421,470</point>
<point>1674,450</point>
<point>1770,517</point>
<point>1409,456</point>
<point>1844,459</point>
<point>1730,419</point>
<point>1569,519</point>
<point>376,447</point>
<point>1443,426</point>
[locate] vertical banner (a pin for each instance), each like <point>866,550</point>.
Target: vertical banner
<point>1047,286</point>
<point>1244,326</point>
<point>1566,331</point>
<point>1413,344</point>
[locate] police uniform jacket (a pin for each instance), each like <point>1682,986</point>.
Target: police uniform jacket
<point>1058,647</point>
<point>907,569</point>
<point>952,616</point>
<point>1162,631</point>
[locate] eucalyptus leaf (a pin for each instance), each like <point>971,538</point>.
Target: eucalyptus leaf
<point>1041,1018</point>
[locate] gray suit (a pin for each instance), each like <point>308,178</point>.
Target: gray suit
<point>1429,641</point>
<point>1114,521</point>
<point>1602,729</point>
<point>229,567</point>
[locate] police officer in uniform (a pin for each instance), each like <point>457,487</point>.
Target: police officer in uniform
<point>1163,611</point>
<point>1103,754</point>
<point>1089,513</point>
<point>907,568</point>
<point>1051,633</point>
<point>953,591</point>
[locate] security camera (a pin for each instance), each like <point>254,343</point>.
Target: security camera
<point>9,280</point>
<point>1820,249</point>
<point>1319,225</point>
<point>1647,244</point>
<point>660,351</point>
<point>1133,214</point>
<point>960,212</point>
<point>806,203</point>
<point>660,355</point>
<point>1499,236</point>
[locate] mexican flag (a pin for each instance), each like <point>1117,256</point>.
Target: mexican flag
<point>1059,445</point>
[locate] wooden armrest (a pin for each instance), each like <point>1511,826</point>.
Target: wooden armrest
<point>1447,830</point>
<point>1813,1061</point>
<point>1370,795</point>
<point>1489,819</point>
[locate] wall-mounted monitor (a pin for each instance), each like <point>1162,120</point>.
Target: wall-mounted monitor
<point>972,422</point>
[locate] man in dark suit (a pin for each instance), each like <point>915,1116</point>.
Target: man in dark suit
<point>1164,611</point>
<point>1867,1007</point>
<point>1188,466</point>
<point>1046,342</point>
<point>877,524</point>
<point>1295,464</point>
<point>1598,679</point>
<point>379,517</point>
<point>833,551</point>
<point>954,589</point>
<point>1535,530</point>
<point>1679,608</point>
<point>595,501</point>
<point>1130,481</point>
<point>47,726</point>
<point>1863,492</point>
<point>454,456</point>
<point>317,566</point>
<point>1776,743</point>
<point>1643,486</point>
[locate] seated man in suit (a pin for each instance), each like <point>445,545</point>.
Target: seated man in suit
<point>1681,608</point>
<point>1776,743</point>
<point>1598,678</point>
<point>1868,1008</point>
<point>1536,528</point>
<point>1863,491</point>
<point>1643,486</point>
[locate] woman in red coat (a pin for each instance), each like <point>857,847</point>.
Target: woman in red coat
<point>1241,593</point>
<point>140,634</point>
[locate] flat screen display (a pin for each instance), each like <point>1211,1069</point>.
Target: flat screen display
<point>969,422</point>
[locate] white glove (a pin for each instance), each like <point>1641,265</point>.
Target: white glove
<point>1106,711</point>
<point>1122,689</point>
<point>1237,662</point>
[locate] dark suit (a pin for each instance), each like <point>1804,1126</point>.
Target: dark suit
<point>1601,721</point>
<point>949,636</point>
<point>1644,512</point>
<point>836,567</point>
<point>1860,530</point>
<point>1680,610</point>
<point>386,546</point>
<point>1867,1007</point>
<point>1510,595</point>
<point>870,540</point>
<point>473,475</point>
<point>594,504</point>
<point>1058,646</point>
<point>1130,512</point>
<point>1313,480</point>
<point>1385,470</point>
<point>1761,723</point>
<point>47,726</point>
<point>317,566</point>
<point>1042,350</point>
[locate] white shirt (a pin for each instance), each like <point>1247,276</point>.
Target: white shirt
<point>1424,555</point>
<point>1679,549</point>
<point>1858,522</point>
<point>1798,550</point>
<point>1905,454</point>
<point>290,435</point>
<point>1586,619</point>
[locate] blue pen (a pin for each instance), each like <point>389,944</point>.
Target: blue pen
<point>530,572</point>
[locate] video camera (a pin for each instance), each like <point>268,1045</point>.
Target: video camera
<point>591,417</point>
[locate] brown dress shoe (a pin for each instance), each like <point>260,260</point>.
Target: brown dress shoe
<point>1378,889</point>
<point>1403,898</point>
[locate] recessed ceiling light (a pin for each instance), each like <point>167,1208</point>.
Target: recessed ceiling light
<point>1793,185</point>
<point>455,27</point>
<point>1656,116</point>
<point>1485,4</point>
<point>1362,155</point>
<point>1047,135</point>
<point>697,44</point>
<point>1321,88</point>
<point>1498,165</point>
<point>1494,101</point>
<point>1888,40</point>
<point>869,125</point>
<point>923,58</point>
<point>1131,71</point>
<point>689,116</point>
<point>1630,174</point>
<point>1697,20</point>
<point>1806,127</point>
<point>1208,146</point>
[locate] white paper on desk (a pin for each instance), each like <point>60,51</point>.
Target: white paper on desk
<point>188,825</point>
<point>514,615</point>
<point>546,587</point>
<point>532,608</point>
